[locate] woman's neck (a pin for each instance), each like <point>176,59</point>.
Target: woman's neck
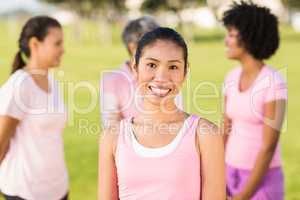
<point>250,65</point>
<point>161,113</point>
<point>37,72</point>
<point>34,65</point>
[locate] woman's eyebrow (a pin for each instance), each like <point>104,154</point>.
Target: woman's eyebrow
<point>179,61</point>
<point>149,58</point>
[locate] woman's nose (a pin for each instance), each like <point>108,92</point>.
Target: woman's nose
<point>161,74</point>
<point>226,41</point>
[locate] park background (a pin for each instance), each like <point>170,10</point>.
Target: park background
<point>93,43</point>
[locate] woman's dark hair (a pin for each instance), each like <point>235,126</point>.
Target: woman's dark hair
<point>166,34</point>
<point>35,27</point>
<point>257,27</point>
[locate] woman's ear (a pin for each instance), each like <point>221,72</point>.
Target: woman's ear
<point>187,71</point>
<point>33,44</point>
<point>134,68</point>
<point>132,48</point>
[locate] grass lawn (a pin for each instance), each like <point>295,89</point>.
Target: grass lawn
<point>85,60</point>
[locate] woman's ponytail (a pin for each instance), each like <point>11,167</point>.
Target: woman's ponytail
<point>18,62</point>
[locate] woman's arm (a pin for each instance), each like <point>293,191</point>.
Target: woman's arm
<point>227,124</point>
<point>110,108</point>
<point>7,130</point>
<point>107,178</point>
<point>110,111</point>
<point>212,161</point>
<point>273,118</point>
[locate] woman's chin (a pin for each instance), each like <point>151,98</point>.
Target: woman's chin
<point>55,65</point>
<point>229,56</point>
<point>232,56</point>
<point>154,100</point>
<point>158,101</point>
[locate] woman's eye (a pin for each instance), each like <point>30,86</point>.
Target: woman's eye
<point>58,43</point>
<point>151,65</point>
<point>173,67</point>
<point>233,35</point>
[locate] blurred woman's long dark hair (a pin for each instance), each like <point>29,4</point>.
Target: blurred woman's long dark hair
<point>35,27</point>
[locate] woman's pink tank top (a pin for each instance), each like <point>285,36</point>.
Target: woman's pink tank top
<point>170,172</point>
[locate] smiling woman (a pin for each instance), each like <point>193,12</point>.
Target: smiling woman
<point>148,62</point>
<point>168,80</point>
<point>156,154</point>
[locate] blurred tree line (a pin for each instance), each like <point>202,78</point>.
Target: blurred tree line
<point>172,5</point>
<point>91,7</point>
<point>292,4</point>
<point>106,12</point>
<point>88,8</point>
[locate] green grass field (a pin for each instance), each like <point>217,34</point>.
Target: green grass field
<point>85,60</point>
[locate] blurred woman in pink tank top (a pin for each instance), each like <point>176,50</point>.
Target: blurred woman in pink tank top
<point>255,99</point>
<point>162,152</point>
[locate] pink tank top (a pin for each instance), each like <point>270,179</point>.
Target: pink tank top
<point>170,172</point>
<point>246,110</point>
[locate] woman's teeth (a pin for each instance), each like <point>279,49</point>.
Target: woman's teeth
<point>159,91</point>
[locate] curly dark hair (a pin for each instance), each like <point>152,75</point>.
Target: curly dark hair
<point>257,27</point>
